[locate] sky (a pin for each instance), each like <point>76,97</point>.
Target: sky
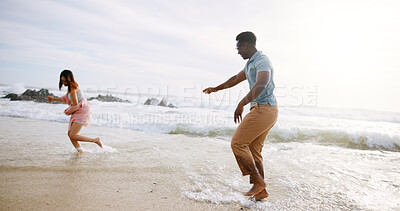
<point>326,53</point>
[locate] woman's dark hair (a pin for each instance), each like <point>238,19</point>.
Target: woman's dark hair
<point>248,37</point>
<point>70,79</point>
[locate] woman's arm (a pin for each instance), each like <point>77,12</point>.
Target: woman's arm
<point>51,99</point>
<point>74,97</point>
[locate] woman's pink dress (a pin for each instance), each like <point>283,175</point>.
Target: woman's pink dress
<point>79,113</point>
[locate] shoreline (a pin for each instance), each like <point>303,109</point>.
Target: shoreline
<point>91,181</point>
<point>137,170</point>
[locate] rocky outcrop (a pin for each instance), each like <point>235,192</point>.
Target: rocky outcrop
<point>108,98</point>
<point>12,97</point>
<point>155,101</point>
<point>41,96</point>
<point>152,101</point>
<point>31,95</point>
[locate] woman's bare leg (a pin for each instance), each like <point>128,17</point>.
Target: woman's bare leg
<point>75,143</point>
<point>73,135</point>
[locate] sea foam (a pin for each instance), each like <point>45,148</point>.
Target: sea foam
<point>347,128</point>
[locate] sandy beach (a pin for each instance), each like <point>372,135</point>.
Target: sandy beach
<point>48,175</point>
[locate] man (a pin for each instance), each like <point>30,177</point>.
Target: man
<point>248,140</point>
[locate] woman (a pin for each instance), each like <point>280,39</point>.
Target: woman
<point>79,109</point>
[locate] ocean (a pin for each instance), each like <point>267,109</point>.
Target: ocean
<point>315,158</point>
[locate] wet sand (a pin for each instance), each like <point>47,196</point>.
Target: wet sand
<point>39,170</point>
<point>40,189</point>
<point>38,173</point>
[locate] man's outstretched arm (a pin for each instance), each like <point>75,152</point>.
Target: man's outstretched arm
<point>234,80</point>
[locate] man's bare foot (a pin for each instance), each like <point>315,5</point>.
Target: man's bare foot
<point>257,188</point>
<point>79,149</point>
<point>262,195</point>
<point>98,142</point>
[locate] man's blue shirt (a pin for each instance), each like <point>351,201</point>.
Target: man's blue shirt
<point>258,63</point>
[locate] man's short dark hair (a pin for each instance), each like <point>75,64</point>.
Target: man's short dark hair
<point>248,37</point>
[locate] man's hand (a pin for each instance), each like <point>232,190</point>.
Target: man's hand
<point>209,90</point>
<point>238,113</point>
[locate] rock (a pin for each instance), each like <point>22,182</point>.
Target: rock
<point>151,101</point>
<point>108,98</point>
<point>36,96</point>
<point>172,105</point>
<point>163,102</point>
<point>12,97</point>
<point>31,95</point>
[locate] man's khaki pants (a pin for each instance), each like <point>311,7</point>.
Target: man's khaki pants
<point>249,137</point>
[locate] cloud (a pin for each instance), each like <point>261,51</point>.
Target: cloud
<point>158,42</point>
<point>108,36</point>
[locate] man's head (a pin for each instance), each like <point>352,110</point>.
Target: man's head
<point>246,44</point>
